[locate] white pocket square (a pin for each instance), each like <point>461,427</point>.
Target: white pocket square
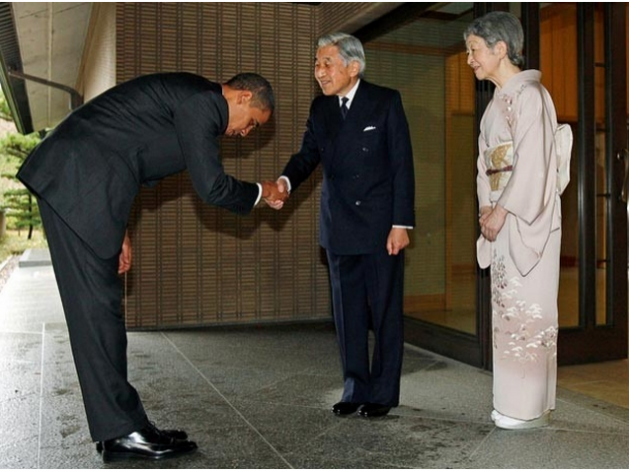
<point>369,128</point>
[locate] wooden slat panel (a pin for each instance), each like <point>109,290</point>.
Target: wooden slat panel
<point>198,265</point>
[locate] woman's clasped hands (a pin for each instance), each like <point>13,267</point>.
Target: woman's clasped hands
<point>491,220</point>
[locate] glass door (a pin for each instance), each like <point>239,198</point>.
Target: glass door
<point>585,71</point>
<point>419,50</point>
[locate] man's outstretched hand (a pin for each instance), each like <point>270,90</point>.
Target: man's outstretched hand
<point>275,193</point>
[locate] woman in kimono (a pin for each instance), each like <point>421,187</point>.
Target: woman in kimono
<point>519,216</point>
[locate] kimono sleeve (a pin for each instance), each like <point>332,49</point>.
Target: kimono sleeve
<point>528,192</point>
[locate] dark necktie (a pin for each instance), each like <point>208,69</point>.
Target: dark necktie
<point>344,107</point>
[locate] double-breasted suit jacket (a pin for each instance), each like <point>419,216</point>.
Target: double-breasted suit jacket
<point>90,168</point>
<point>368,187</point>
<point>368,168</point>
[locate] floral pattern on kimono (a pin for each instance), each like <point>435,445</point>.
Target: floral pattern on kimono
<point>517,170</point>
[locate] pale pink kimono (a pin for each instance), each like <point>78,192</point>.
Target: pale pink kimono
<point>525,258</point>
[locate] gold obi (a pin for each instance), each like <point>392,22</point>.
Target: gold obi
<point>499,161</point>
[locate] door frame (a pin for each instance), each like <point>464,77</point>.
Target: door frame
<point>589,342</point>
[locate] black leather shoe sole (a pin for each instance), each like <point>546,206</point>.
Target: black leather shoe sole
<point>374,410</point>
<point>345,408</point>
<point>173,433</point>
<point>178,449</point>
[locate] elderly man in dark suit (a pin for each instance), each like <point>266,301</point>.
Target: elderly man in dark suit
<point>359,133</point>
<point>86,174</point>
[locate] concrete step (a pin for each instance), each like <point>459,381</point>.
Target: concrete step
<point>35,258</point>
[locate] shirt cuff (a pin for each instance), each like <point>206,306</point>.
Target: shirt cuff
<point>401,226</point>
<point>259,194</point>
<point>286,179</point>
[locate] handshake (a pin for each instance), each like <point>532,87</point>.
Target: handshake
<point>275,193</point>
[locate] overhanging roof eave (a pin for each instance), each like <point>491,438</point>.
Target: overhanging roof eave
<point>10,59</point>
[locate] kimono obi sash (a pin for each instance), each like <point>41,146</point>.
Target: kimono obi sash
<point>499,161</point>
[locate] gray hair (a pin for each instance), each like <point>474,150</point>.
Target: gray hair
<point>350,48</point>
<point>500,26</point>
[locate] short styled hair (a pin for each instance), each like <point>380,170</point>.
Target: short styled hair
<point>350,48</point>
<point>261,89</point>
<point>500,26</point>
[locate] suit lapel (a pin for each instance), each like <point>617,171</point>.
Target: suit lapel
<point>361,106</point>
<point>360,112</point>
<point>340,132</point>
<point>334,121</point>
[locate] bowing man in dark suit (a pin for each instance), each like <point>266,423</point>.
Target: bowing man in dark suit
<point>86,174</point>
<point>359,133</point>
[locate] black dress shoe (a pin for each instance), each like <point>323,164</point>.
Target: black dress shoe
<point>345,408</point>
<point>373,410</point>
<point>173,433</point>
<point>148,444</point>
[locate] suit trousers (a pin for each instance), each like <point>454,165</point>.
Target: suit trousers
<point>367,292</point>
<point>91,295</point>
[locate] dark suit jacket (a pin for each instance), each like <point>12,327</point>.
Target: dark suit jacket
<point>368,169</point>
<point>90,168</point>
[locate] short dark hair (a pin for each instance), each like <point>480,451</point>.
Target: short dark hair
<point>259,86</point>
